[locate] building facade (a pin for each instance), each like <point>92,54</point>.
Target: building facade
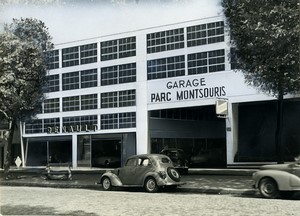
<point>142,91</point>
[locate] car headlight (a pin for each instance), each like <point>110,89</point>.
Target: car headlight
<point>162,174</point>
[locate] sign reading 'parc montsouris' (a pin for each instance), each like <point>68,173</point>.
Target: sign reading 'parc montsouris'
<point>185,89</point>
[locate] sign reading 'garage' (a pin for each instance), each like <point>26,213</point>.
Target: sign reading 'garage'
<point>185,89</point>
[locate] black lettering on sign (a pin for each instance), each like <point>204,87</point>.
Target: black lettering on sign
<point>161,97</point>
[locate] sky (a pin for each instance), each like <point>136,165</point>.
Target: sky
<point>82,19</point>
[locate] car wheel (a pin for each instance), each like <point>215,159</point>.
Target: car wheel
<point>150,185</point>
<point>106,184</point>
<point>173,173</point>
<point>268,188</point>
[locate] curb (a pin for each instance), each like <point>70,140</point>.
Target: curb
<point>219,191</point>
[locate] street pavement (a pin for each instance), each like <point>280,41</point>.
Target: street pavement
<point>210,181</point>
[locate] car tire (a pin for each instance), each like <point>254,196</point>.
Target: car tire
<point>151,185</point>
<point>173,173</point>
<point>268,188</point>
<point>106,184</point>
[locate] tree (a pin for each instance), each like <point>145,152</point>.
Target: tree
<point>23,67</point>
<point>266,34</point>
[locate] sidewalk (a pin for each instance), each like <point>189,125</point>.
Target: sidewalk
<point>210,181</point>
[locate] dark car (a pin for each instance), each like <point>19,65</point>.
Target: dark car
<point>178,158</point>
<point>151,171</point>
<point>277,180</point>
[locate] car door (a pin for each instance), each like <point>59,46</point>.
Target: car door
<point>127,173</point>
<point>144,166</point>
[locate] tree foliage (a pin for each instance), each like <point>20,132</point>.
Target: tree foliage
<point>23,67</point>
<point>266,34</point>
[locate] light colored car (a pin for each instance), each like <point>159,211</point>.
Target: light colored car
<point>280,180</point>
<point>151,171</point>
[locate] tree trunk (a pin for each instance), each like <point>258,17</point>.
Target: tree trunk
<point>8,154</point>
<point>279,127</point>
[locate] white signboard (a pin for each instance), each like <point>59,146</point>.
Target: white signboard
<point>197,87</point>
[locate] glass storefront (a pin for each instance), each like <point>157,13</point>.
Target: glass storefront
<point>44,150</point>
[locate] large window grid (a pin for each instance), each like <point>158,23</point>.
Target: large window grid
<point>109,75</point>
<point>127,47</point>
<point>205,62</point>
<point>83,102</point>
<point>127,120</point>
<point>70,56</point>
<point>52,83</point>
<point>127,98</point>
<point>118,99</point>
<point>88,53</point>
<point>53,59</point>
<point>205,34</point>
<point>127,73</point>
<point>75,121</point>
<point>71,103</point>
<point>34,126</point>
<point>70,81</point>
<point>165,40</point>
<point>89,78</point>
<point>89,102</point>
<point>166,67</point>
<point>51,123</point>
<point>51,105</point>
<point>216,60</point>
<point>109,121</point>
<point>120,48</point>
<point>118,120</point>
<point>215,32</point>
<point>118,74</point>
<point>85,53</point>
<point>109,100</point>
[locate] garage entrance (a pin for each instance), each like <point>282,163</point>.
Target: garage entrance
<point>195,130</point>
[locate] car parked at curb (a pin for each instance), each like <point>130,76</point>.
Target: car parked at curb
<point>278,180</point>
<point>178,158</point>
<point>151,171</point>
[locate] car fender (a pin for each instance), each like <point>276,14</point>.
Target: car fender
<point>284,180</point>
<point>155,175</point>
<point>115,180</point>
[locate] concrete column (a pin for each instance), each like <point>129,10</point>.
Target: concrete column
<point>142,120</point>
<point>74,151</point>
<point>232,132</point>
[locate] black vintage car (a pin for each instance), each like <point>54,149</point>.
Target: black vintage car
<point>178,158</point>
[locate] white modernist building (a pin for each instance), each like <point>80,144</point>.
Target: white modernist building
<point>142,91</point>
